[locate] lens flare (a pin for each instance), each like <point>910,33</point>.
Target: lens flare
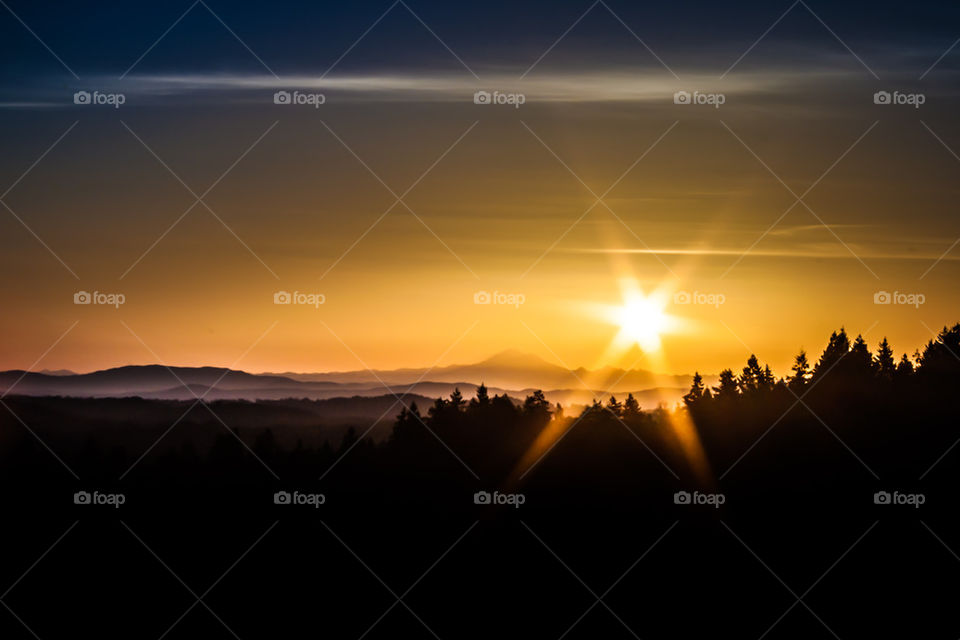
<point>641,320</point>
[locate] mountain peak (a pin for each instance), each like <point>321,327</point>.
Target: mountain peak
<point>514,358</point>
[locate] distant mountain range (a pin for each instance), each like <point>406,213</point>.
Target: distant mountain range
<point>511,372</point>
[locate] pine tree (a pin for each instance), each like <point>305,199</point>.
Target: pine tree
<point>884,364</point>
<point>752,376</point>
<point>801,372</point>
<point>860,362</point>
<point>631,408</point>
<point>837,348</point>
<point>483,397</point>
<point>481,400</point>
<point>904,368</point>
<point>696,390</point>
<point>766,378</point>
<point>536,405</point>
<point>614,407</point>
<point>728,386</point>
<point>456,399</point>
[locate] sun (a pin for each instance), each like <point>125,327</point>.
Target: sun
<point>642,320</point>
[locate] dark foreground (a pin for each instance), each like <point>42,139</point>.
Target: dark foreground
<point>832,516</point>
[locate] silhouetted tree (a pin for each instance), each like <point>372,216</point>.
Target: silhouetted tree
<point>408,428</point>
<point>696,390</point>
<point>536,406</point>
<point>482,399</point>
<point>751,379</point>
<point>904,368</point>
<point>859,361</point>
<point>837,348</point>
<point>884,364</point>
<point>614,407</point>
<point>631,408</point>
<point>801,372</point>
<point>766,378</point>
<point>456,400</point>
<point>941,357</point>
<point>727,389</point>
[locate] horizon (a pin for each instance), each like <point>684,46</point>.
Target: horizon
<point>510,352</point>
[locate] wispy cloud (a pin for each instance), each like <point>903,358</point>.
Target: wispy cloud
<point>576,86</point>
<point>816,251</point>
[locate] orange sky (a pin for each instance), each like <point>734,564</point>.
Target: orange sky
<point>495,214</point>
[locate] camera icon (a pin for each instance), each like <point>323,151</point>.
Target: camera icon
<point>82,297</point>
<point>681,97</point>
<point>482,497</point>
<point>282,497</point>
<point>282,297</point>
<point>882,297</point>
<point>81,497</point>
<point>681,297</point>
<point>882,97</point>
<point>482,97</point>
<point>881,497</point>
<point>682,497</point>
<point>81,97</point>
<point>482,297</point>
<point>281,97</point>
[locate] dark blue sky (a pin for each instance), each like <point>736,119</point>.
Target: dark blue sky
<point>104,38</point>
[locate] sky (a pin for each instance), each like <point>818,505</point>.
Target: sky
<point>757,225</point>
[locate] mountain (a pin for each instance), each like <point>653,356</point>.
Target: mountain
<point>510,369</point>
<point>512,372</point>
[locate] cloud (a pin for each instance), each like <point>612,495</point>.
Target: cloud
<point>814,228</point>
<point>574,86</point>
<point>816,251</point>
